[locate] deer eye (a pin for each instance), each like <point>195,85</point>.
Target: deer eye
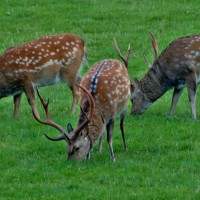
<point>77,148</point>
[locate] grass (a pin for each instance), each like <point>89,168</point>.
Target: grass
<point>162,159</point>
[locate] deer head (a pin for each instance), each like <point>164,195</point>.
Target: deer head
<point>140,102</point>
<point>78,140</point>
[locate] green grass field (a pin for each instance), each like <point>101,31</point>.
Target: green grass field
<point>163,156</point>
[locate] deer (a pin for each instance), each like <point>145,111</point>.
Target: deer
<point>177,67</point>
<point>44,61</point>
<point>105,92</point>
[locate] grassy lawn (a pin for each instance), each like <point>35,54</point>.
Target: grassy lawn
<point>162,160</point>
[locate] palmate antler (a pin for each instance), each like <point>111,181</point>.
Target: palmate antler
<point>64,135</point>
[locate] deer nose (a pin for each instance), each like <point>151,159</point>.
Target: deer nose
<point>70,157</point>
<point>135,112</point>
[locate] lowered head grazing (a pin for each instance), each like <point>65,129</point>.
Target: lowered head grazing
<point>177,67</point>
<point>78,140</point>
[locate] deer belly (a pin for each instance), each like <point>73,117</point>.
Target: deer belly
<point>47,79</point>
<point>114,106</point>
<point>179,84</point>
<point>10,91</point>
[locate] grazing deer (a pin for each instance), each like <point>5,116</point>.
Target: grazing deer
<point>45,61</point>
<point>106,92</point>
<point>177,66</point>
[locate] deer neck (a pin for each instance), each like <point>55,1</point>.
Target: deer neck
<point>8,86</point>
<point>155,83</point>
<point>95,127</point>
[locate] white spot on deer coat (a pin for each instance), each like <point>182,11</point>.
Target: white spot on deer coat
<point>109,95</point>
<point>9,74</point>
<point>52,53</point>
<point>75,49</point>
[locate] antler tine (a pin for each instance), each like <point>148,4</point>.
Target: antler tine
<point>117,49</point>
<point>48,120</point>
<point>80,128</point>
<point>128,51</point>
<point>45,105</point>
<point>92,108</point>
<point>61,137</point>
<point>84,113</point>
<point>147,62</point>
<point>125,59</point>
<point>90,98</point>
<point>155,46</point>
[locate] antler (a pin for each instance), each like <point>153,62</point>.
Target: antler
<point>48,120</point>
<point>147,62</point>
<point>92,108</point>
<point>125,59</point>
<point>155,46</point>
<point>65,135</point>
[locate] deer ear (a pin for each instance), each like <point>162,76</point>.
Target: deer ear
<point>132,87</point>
<point>69,128</point>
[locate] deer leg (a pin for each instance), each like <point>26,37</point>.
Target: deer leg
<point>17,99</point>
<point>191,87</point>
<point>100,144</point>
<point>110,128</point>
<point>88,156</point>
<point>122,116</point>
<point>29,91</point>
<point>176,95</point>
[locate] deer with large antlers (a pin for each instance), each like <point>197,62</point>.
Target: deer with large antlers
<point>177,67</point>
<point>105,93</point>
<point>45,61</point>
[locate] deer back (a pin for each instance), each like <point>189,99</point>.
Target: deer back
<point>109,84</point>
<point>46,60</point>
<point>181,56</point>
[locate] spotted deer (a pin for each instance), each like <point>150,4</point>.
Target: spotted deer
<point>105,93</point>
<point>177,67</point>
<point>44,61</point>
